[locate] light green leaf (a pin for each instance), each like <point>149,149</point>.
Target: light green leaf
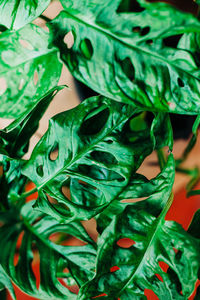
<point>14,14</point>
<point>6,283</point>
<point>123,55</point>
<point>15,138</point>
<point>35,230</point>
<point>97,148</point>
<point>29,68</point>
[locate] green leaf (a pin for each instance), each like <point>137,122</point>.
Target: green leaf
<point>140,66</point>
<point>95,158</point>
<point>35,230</point>
<point>14,14</point>
<point>161,257</point>
<point>6,283</point>
<point>24,75</point>
<point>157,190</point>
<point>15,138</point>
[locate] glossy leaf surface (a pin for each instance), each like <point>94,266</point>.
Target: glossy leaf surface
<point>128,56</point>
<point>29,68</point>
<point>96,157</point>
<point>158,256</point>
<point>15,138</point>
<point>34,229</point>
<point>5,282</point>
<point>14,14</point>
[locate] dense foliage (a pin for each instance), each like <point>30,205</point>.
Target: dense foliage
<point>140,57</point>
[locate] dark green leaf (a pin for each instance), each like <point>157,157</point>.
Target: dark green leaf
<point>15,138</point>
<point>162,257</point>
<point>29,68</point>
<point>35,230</point>
<point>94,147</point>
<point>14,14</point>
<point>123,55</point>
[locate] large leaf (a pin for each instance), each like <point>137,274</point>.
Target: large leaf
<point>127,56</point>
<point>15,138</point>
<point>35,230</point>
<point>159,256</point>
<point>14,14</point>
<point>24,75</point>
<point>5,282</point>
<point>94,145</point>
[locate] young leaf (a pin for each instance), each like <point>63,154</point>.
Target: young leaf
<point>5,282</point>
<point>160,256</point>
<point>24,76</point>
<point>35,231</point>
<point>95,158</point>
<point>15,138</point>
<point>139,67</point>
<point>14,14</point>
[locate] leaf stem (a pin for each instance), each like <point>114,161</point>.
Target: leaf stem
<point>161,158</point>
<point>24,195</point>
<point>45,18</point>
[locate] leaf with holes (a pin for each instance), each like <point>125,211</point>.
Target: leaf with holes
<point>5,282</point>
<point>15,138</point>
<point>139,189</point>
<point>140,65</point>
<point>14,14</point>
<point>24,77</point>
<point>35,231</point>
<point>139,250</point>
<point>84,163</point>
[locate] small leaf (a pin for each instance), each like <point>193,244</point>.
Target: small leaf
<point>14,14</point>
<point>22,53</point>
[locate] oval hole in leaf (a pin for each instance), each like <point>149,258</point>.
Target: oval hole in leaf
<point>26,44</point>
<point>150,294</point>
<point>128,68</point>
<point>172,41</point>
<point>40,171</point>
<point>99,296</point>
<point>109,142</point>
<point>133,200</point>
<point>180,82</point>
<point>136,29</point>
<point>104,157</point>
<point>145,31</point>
<point>53,155</point>
<point>114,269</point>
<point>66,191</point>
<point>21,84</point>
<point>159,277</point>
<point>125,243</point>
<point>86,48</point>
<point>164,267</point>
<point>129,6</point>
<point>35,77</point>
<point>69,39</point>
<point>73,241</point>
<point>3,85</point>
<point>35,264</point>
<point>95,123</point>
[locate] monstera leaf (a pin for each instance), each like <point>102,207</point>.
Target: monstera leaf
<point>15,138</point>
<point>35,231</point>
<point>24,77</point>
<point>128,56</point>
<point>5,282</point>
<point>95,158</point>
<point>158,255</point>
<point>14,14</point>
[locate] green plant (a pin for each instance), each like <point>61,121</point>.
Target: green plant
<point>127,58</point>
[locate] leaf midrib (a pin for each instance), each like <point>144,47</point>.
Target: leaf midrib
<point>136,48</point>
<point>81,154</point>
